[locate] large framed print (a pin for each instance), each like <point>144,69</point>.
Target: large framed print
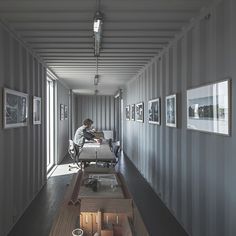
<point>139,112</point>
<point>15,109</point>
<point>37,111</point>
<point>127,112</point>
<point>208,108</point>
<point>154,111</point>
<point>133,112</point>
<point>171,110</point>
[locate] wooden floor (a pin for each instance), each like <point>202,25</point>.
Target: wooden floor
<point>39,216</point>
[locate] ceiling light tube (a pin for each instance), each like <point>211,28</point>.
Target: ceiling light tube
<point>96,25</point>
<point>96,92</point>
<point>97,29</point>
<point>96,80</point>
<point>97,22</point>
<point>97,45</point>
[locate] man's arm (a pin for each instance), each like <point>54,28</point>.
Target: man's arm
<point>88,135</point>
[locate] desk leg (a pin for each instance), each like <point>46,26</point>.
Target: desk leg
<point>96,157</point>
<point>81,165</point>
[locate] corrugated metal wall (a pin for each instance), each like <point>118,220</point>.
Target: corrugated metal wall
<point>22,150</point>
<point>62,125</point>
<point>118,118</point>
<point>192,172</point>
<point>98,108</point>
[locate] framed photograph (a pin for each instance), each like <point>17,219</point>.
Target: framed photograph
<point>171,111</point>
<point>154,111</point>
<point>127,112</point>
<point>208,108</point>
<point>65,112</point>
<point>133,112</point>
<point>139,112</point>
<point>61,112</point>
<point>15,109</point>
<point>37,111</point>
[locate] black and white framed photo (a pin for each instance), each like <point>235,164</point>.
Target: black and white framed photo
<point>15,109</point>
<point>37,111</point>
<point>209,108</point>
<point>127,112</point>
<point>139,112</point>
<point>171,110</point>
<point>65,112</point>
<point>154,111</point>
<point>61,112</point>
<point>133,112</point>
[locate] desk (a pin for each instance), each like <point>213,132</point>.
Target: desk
<point>79,208</point>
<point>96,152</point>
<point>109,187</point>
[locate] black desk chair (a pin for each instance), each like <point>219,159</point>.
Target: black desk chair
<point>115,148</point>
<point>74,152</point>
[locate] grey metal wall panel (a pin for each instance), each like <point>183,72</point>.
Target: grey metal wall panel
<point>63,125</point>
<point>192,172</point>
<point>22,150</point>
<point>99,108</point>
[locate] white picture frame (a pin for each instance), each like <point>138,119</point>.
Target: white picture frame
<point>171,110</point>
<point>133,112</point>
<point>65,112</point>
<point>61,112</point>
<point>154,111</point>
<point>209,108</point>
<point>140,112</point>
<point>15,109</point>
<point>127,112</point>
<point>37,110</point>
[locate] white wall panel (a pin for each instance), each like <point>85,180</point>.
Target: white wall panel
<point>22,150</point>
<point>192,172</point>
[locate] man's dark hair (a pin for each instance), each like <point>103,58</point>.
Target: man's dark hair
<point>88,122</point>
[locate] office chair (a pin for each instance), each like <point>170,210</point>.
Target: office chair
<point>74,154</point>
<point>115,148</point>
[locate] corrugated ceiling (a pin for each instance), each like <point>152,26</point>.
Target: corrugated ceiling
<point>134,31</point>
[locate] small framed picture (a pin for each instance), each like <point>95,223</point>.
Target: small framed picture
<point>37,111</point>
<point>133,112</point>
<point>209,108</point>
<point>127,112</point>
<point>154,111</point>
<point>139,112</point>
<point>65,112</point>
<point>15,109</point>
<point>61,112</point>
<point>171,111</point>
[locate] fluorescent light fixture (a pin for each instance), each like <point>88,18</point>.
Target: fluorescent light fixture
<point>118,93</point>
<point>96,80</point>
<point>97,44</point>
<point>97,25</point>
<point>97,30</point>
<point>96,92</point>
<point>97,22</point>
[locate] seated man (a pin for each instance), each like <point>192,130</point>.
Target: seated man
<point>83,132</point>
